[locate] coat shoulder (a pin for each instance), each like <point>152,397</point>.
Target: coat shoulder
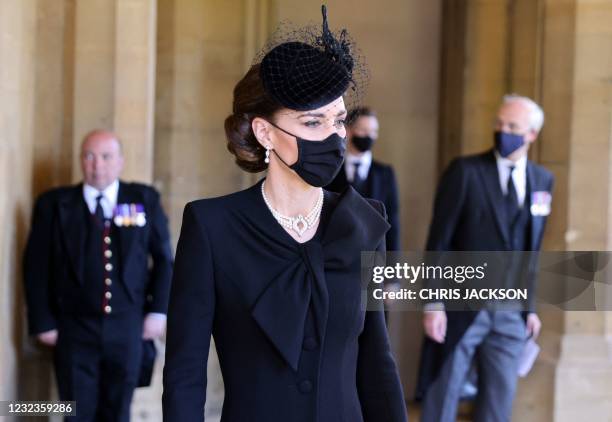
<point>382,167</point>
<point>56,194</point>
<point>219,208</point>
<point>149,192</point>
<point>466,164</point>
<point>474,159</point>
<point>386,170</point>
<point>542,171</point>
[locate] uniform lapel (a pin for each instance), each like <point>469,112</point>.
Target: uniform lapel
<point>73,228</point>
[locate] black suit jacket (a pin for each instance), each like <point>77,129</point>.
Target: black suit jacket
<point>293,341</point>
<point>469,215</point>
<point>382,186</point>
<point>469,210</point>
<point>54,255</point>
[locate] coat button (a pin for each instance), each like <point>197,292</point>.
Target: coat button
<point>108,253</point>
<point>310,343</point>
<point>305,386</point>
<point>108,295</point>
<point>107,240</point>
<point>108,281</point>
<point>108,309</point>
<point>108,267</point>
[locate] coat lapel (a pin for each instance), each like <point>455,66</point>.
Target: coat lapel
<point>73,228</point>
<point>490,179</point>
<point>371,185</point>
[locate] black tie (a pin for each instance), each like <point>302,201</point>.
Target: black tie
<point>512,207</point>
<point>357,180</point>
<point>99,213</point>
<point>356,177</point>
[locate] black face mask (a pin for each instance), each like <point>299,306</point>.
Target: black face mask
<point>362,143</point>
<point>506,143</point>
<point>318,162</point>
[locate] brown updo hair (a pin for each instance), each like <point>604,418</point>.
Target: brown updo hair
<point>250,101</point>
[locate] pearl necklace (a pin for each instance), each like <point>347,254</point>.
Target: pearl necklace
<point>300,223</point>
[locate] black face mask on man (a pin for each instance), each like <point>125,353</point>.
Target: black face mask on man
<point>362,143</point>
<point>318,162</point>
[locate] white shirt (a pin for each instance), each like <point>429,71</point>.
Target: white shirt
<point>108,201</point>
<point>519,175</point>
<point>365,161</point>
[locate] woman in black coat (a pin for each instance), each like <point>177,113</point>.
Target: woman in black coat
<point>273,272</point>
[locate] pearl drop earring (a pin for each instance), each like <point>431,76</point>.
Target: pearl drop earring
<point>267,159</point>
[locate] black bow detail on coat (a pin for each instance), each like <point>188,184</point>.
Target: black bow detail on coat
<point>282,306</point>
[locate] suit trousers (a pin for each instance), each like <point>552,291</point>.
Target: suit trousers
<point>496,340</point>
<point>97,363</point>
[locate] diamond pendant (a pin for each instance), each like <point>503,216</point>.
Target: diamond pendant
<point>295,225</point>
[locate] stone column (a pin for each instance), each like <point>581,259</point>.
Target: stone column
<point>93,58</point>
<point>583,387</point>
<point>17,43</point>
<point>201,57</point>
<point>134,87</point>
<point>114,58</point>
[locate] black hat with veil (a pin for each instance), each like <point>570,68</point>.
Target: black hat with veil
<point>308,67</point>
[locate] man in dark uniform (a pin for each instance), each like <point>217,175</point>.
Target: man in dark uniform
<point>493,201</point>
<point>90,290</point>
<point>372,179</point>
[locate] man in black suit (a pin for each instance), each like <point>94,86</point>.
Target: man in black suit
<point>372,179</point>
<point>90,290</point>
<point>494,201</point>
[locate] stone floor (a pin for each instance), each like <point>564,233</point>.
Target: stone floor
<point>464,412</point>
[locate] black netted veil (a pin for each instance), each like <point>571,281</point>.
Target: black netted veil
<point>309,67</point>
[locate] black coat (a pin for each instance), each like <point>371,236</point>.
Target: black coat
<point>293,341</point>
<point>469,215</point>
<point>54,257</point>
<point>382,186</point>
